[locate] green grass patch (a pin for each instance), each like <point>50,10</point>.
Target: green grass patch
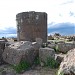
<point>36,61</point>
<point>52,63</point>
<point>22,66</point>
<point>1,70</point>
<point>61,73</point>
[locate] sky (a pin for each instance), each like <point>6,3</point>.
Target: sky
<point>61,15</point>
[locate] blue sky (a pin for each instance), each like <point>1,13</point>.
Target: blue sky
<point>62,28</point>
<point>61,15</point>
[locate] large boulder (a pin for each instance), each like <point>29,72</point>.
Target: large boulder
<point>23,50</point>
<point>2,44</point>
<point>2,47</point>
<point>44,54</point>
<point>65,47</point>
<point>67,66</point>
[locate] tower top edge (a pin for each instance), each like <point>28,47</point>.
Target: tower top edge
<point>31,12</point>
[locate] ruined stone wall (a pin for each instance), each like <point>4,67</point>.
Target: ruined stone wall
<point>31,25</point>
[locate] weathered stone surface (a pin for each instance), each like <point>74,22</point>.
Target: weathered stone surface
<point>2,47</point>
<point>65,47</point>
<point>7,70</point>
<point>18,51</point>
<point>51,45</point>
<point>61,42</point>
<point>31,25</point>
<point>50,42</point>
<point>73,42</point>
<point>1,51</point>
<point>36,46</point>
<point>67,66</point>
<point>2,44</point>
<point>59,57</point>
<point>50,37</point>
<point>45,53</point>
<point>39,41</point>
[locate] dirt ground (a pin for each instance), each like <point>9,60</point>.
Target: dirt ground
<point>40,71</point>
<point>6,70</point>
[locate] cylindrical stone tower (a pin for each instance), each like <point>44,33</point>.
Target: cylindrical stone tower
<point>31,25</point>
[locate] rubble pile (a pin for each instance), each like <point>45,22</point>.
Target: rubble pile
<point>27,51</point>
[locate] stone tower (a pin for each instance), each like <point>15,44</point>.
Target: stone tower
<point>31,25</point>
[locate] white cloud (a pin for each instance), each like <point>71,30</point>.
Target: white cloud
<point>8,35</point>
<point>58,10</point>
<point>60,25</point>
<point>64,10</point>
<point>11,35</point>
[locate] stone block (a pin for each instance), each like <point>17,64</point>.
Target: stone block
<point>65,47</point>
<point>19,51</point>
<point>45,53</point>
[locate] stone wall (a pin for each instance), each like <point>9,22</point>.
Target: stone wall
<point>31,25</point>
